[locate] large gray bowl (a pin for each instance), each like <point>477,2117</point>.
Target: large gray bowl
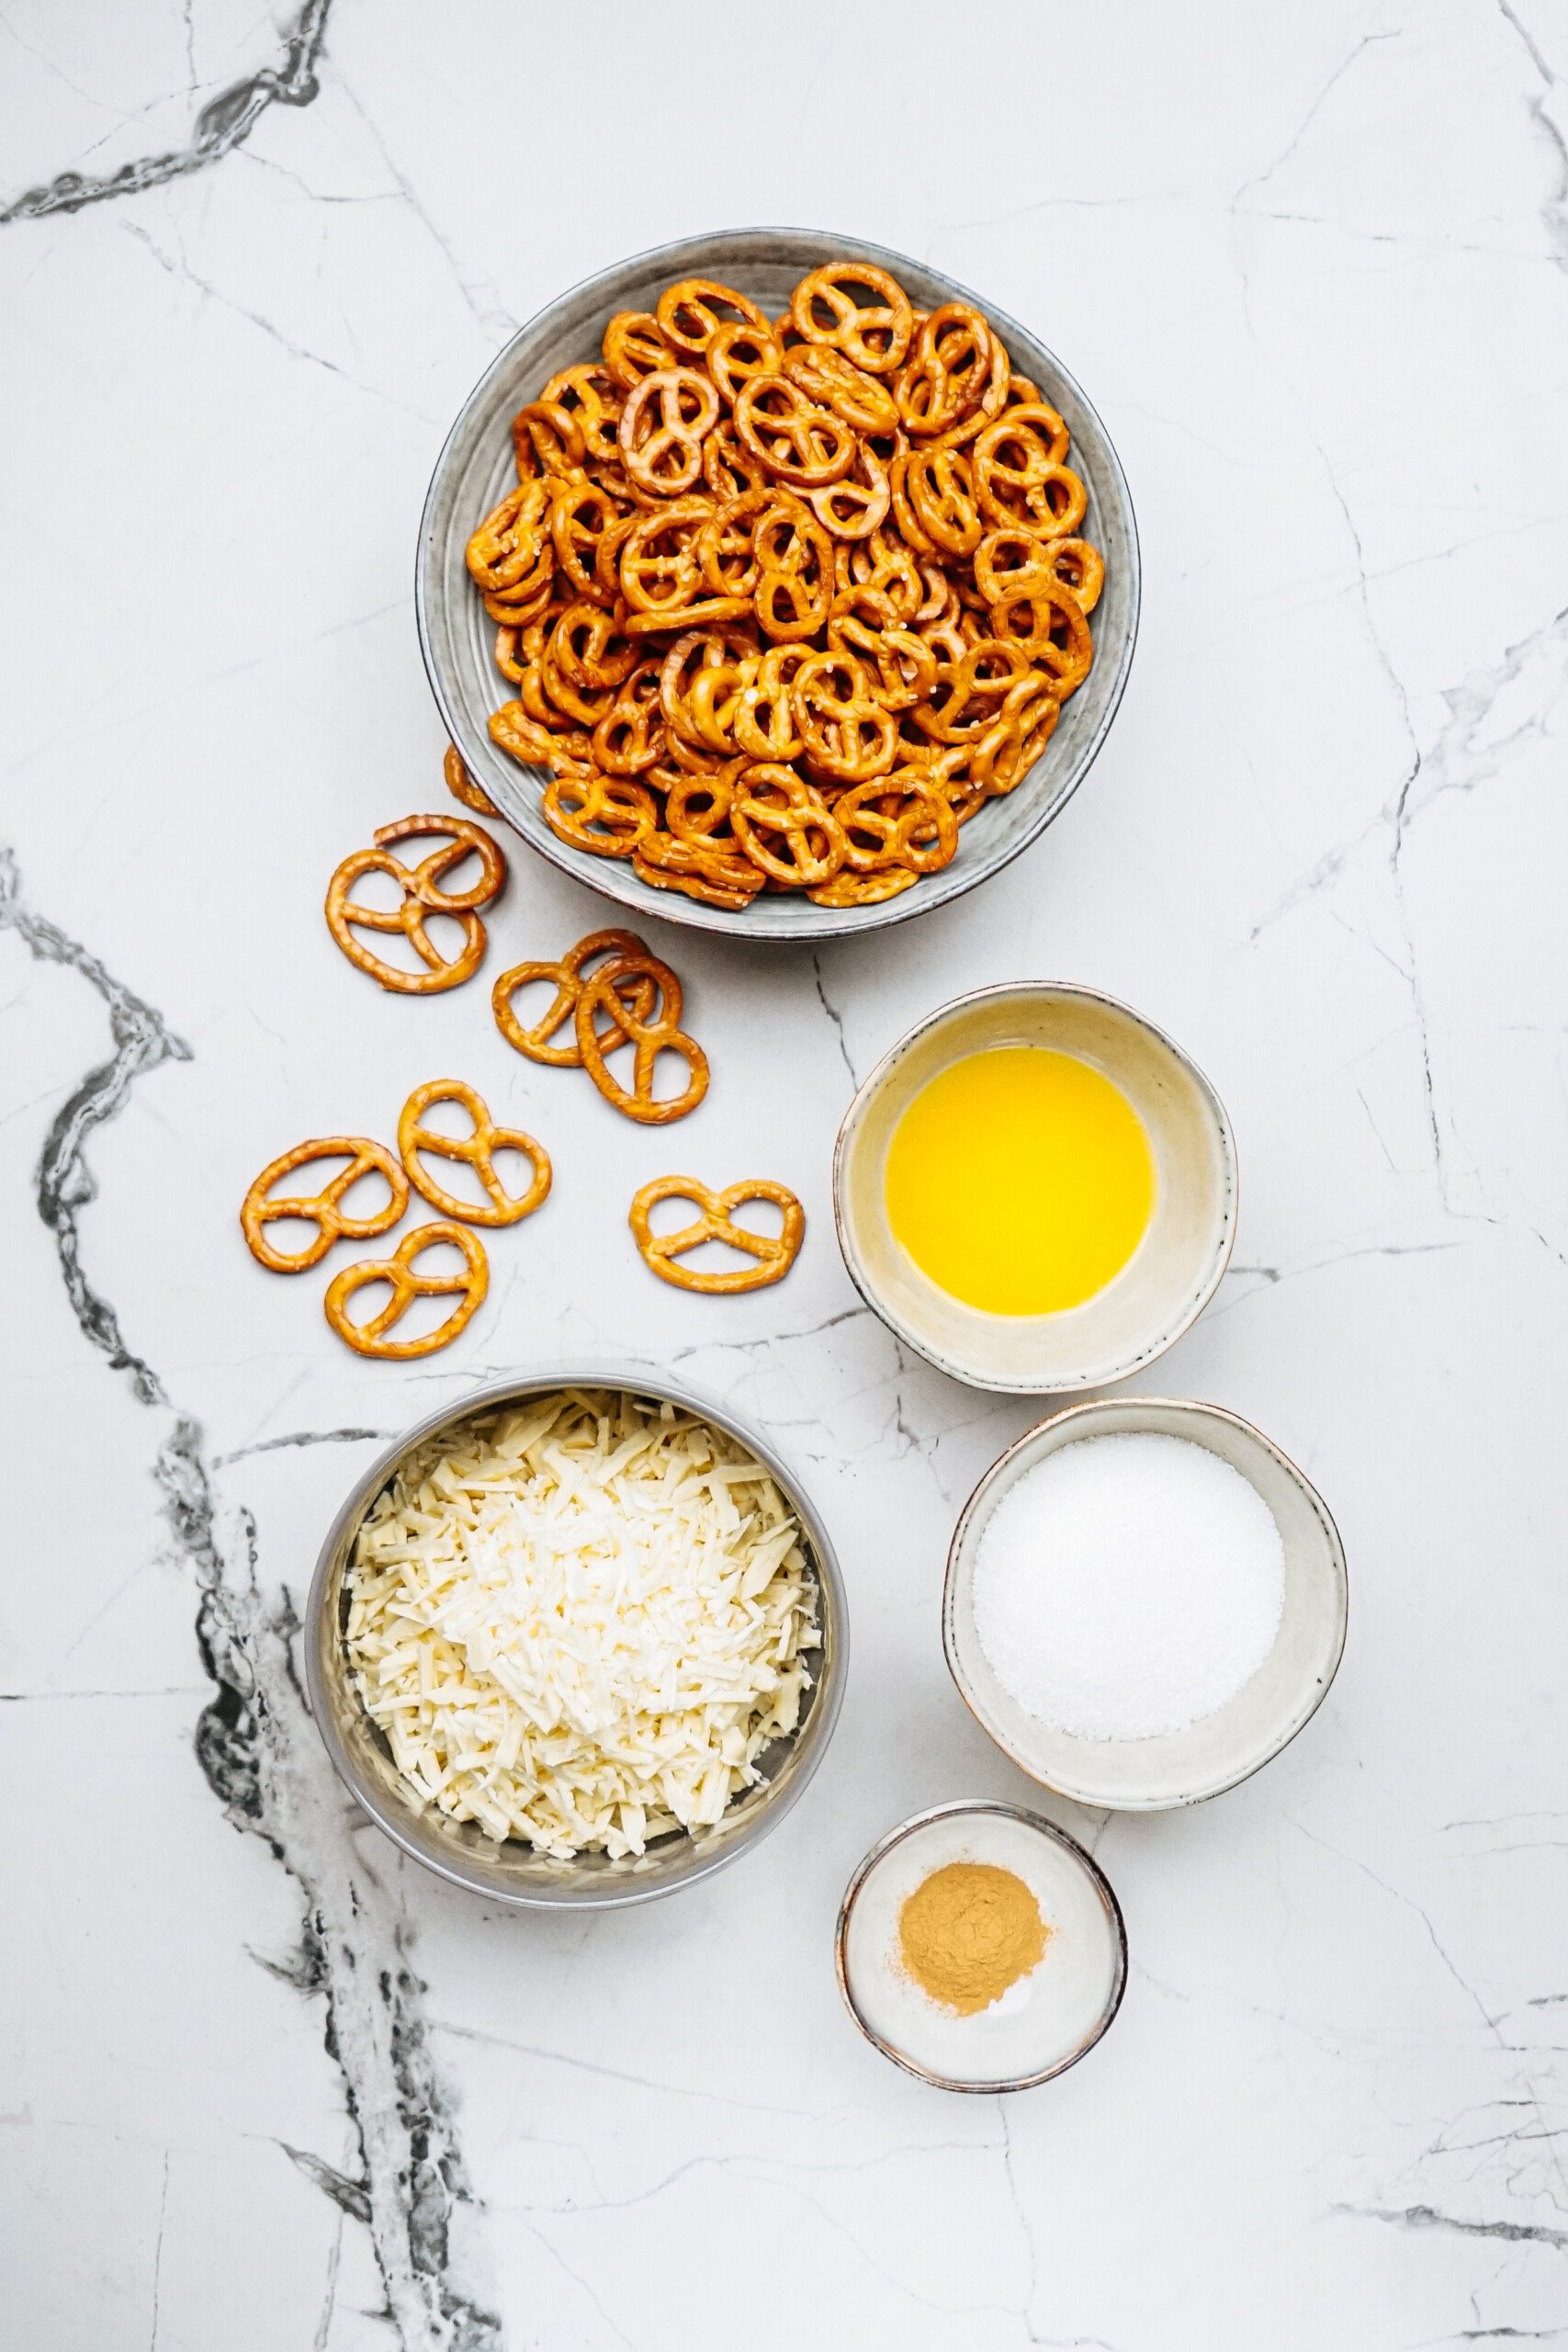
<point>512,1873</point>
<point>475,468</point>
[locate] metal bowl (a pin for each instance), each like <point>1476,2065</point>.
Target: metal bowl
<point>512,1873</point>
<point>475,468</point>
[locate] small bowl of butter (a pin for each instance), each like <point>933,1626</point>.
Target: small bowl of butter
<point>1036,1189</point>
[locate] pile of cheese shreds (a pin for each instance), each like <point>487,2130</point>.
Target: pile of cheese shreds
<point>785,601</point>
<point>579,1622</point>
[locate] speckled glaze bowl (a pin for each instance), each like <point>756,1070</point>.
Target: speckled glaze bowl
<point>512,1872</point>
<point>1176,1768</point>
<point>1171,1275</point>
<point>475,468</point>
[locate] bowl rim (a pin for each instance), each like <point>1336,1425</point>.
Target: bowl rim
<point>640,1379</point>
<point>1197,1409</point>
<point>671,906</point>
<point>1223,1128</point>
<point>1097,1880</point>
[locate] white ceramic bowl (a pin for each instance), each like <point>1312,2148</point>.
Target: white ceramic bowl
<point>1066,2003</point>
<point>476,467</point>
<point>1175,1269</point>
<point>1180,1766</point>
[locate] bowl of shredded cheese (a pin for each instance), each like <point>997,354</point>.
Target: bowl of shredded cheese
<point>580,1640</point>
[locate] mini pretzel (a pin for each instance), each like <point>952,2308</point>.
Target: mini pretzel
<point>666,458</point>
<point>469,1287</point>
<point>940,487</point>
<point>547,439</point>
<point>853,508</point>
<point>630,736</point>
<point>658,567</point>
<point>634,345</point>
<point>1019,479</point>
<point>848,889</point>
<point>607,815</point>
<point>896,821</point>
<point>735,351</point>
<point>594,401</point>
<point>846,730</point>
<point>947,372</point>
<point>874,336</point>
<point>826,377</point>
<point>786,828</point>
<point>321,1209</point>
<point>775,1253</point>
<point>475,1151</point>
<point>535,1041</point>
<point>461,784</point>
<point>789,435</point>
<point>688,320</point>
<point>421,897</point>
<point>648,1033</point>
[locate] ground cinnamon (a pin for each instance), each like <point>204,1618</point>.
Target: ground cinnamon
<point>968,1932</point>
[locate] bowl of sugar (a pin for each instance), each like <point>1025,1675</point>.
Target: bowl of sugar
<point>1146,1601</point>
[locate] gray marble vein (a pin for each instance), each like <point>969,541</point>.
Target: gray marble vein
<point>256,1749</point>
<point>224,123</point>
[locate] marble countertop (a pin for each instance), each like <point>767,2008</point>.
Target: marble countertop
<point>264,2085</point>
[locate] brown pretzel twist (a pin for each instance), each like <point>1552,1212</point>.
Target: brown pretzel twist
<point>470,1287</point>
<point>476,1151</point>
<point>607,815</point>
<point>422,897</point>
<point>872,335</point>
<point>650,1033</point>
<point>665,457</point>
<point>461,784</point>
<point>775,1253</point>
<point>785,826</point>
<point>323,1209</point>
<point>533,1039</point>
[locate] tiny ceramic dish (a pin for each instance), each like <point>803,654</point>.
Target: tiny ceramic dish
<point>1182,1767</point>
<point>512,1872</point>
<point>1048,2019</point>
<point>1171,1275</point>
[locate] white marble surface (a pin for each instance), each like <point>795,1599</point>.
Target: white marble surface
<point>263,2087</point>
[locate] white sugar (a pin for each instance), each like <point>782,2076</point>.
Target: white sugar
<point>1127,1586</point>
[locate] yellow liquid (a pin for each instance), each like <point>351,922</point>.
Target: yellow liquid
<point>1021,1181</point>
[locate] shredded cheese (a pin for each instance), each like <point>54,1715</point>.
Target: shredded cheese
<point>579,1622</point>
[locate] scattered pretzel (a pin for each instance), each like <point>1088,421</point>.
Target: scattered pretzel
<point>566,973</point>
<point>648,1033</point>
<point>469,1287</point>
<point>475,1151</point>
<point>775,1253</point>
<point>323,1209</point>
<point>422,897</point>
<point>461,784</point>
<point>762,554</point>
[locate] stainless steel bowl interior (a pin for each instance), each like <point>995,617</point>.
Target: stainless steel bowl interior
<point>512,1872</point>
<point>476,467</point>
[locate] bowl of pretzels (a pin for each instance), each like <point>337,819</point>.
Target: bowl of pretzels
<point>773,582</point>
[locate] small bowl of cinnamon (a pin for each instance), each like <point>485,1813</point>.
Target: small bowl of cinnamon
<point>980,1948</point>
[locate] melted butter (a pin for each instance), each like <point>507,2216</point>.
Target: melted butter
<point>1020,1180</point>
